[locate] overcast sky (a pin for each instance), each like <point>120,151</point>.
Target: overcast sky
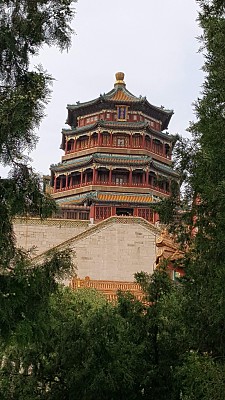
<point>152,41</point>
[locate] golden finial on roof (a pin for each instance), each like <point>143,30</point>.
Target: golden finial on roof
<point>120,78</point>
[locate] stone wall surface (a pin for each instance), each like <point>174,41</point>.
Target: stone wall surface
<point>113,249</point>
<point>116,252</point>
<point>42,235</point>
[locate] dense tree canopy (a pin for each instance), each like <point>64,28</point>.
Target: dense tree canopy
<point>25,26</point>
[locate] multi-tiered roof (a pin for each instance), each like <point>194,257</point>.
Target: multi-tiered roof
<point>117,159</point>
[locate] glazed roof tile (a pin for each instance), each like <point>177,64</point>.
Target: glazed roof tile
<point>123,159</point>
<point>118,93</point>
<point>112,197</point>
<point>164,168</point>
<point>110,124</point>
<point>119,125</point>
<point>123,197</point>
<point>114,159</point>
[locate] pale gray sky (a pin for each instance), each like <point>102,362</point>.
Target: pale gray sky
<point>152,41</point>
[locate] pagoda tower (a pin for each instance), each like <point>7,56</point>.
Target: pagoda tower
<point>117,157</point>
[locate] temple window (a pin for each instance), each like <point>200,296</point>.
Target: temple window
<point>136,140</point>
<point>122,113</point>
<point>82,142</point>
<point>105,139</point>
<point>147,142</point>
<point>74,179</point>
<point>94,139</point>
<point>57,183</point>
<point>63,181</point>
<point>137,178</point>
<point>157,146</point>
<point>103,176</point>
<point>145,213</point>
<point>102,212</point>
<point>120,178</point>
<point>70,145</point>
<point>88,175</point>
<point>167,150</point>
<point>120,142</point>
<point>152,179</point>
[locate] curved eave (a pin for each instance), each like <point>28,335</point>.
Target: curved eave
<point>118,162</point>
<point>106,97</point>
<point>165,169</point>
<point>113,97</point>
<point>116,125</point>
<point>102,159</point>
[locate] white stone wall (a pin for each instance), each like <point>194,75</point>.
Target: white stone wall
<point>112,250</point>
<point>116,252</point>
<point>43,235</point>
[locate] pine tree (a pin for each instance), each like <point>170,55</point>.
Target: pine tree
<point>201,225</point>
<point>25,26</point>
<point>206,259</point>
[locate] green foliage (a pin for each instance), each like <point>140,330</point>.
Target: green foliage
<point>157,334</point>
<point>85,356</point>
<point>25,27</point>
<point>25,291</point>
<point>202,219</point>
<point>201,378</point>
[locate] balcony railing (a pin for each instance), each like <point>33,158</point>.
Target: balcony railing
<point>113,183</point>
<point>153,148</point>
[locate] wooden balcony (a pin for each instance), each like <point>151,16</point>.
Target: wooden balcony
<point>113,184</point>
<point>152,148</point>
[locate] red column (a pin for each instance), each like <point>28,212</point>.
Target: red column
<point>99,138</point>
<point>66,181</point>
<point>143,178</point>
<point>143,141</point>
<point>66,147</point>
<point>89,141</point>
<point>130,177</point>
<point>110,176</point>
<point>151,143</point>
<point>92,212</point>
<point>55,183</point>
<point>75,144</point>
<point>131,141</point>
<point>69,181</point>
<point>146,178</point>
<point>81,177</point>
<point>111,139</point>
<point>113,210</point>
<point>94,176</point>
<point>85,179</point>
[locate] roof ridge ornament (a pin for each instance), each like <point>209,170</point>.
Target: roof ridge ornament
<point>119,79</point>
